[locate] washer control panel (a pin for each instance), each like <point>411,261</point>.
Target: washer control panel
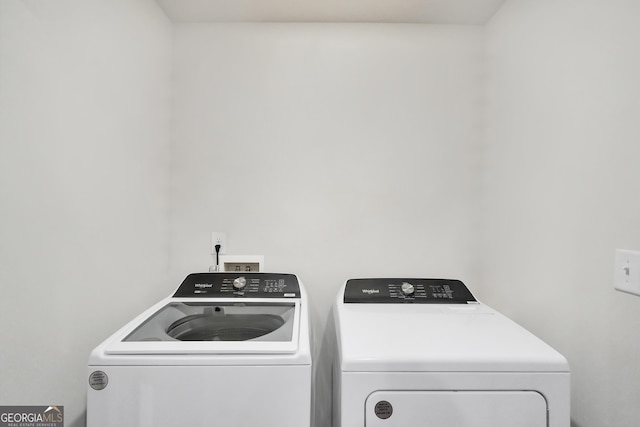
<point>248,285</point>
<point>399,290</point>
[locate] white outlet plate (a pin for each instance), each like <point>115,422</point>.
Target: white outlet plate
<point>242,263</point>
<point>218,237</point>
<point>627,271</point>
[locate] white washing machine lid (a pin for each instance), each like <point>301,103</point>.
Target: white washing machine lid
<point>439,337</point>
<point>211,326</point>
<point>210,322</point>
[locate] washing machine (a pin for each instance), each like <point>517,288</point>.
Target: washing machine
<point>425,352</point>
<point>224,350</point>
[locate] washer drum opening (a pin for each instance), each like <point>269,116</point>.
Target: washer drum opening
<point>229,327</point>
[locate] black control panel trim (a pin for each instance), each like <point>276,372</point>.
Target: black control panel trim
<point>407,290</point>
<point>254,285</point>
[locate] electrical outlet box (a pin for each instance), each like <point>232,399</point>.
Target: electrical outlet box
<point>219,238</point>
<point>627,271</point>
<point>242,263</point>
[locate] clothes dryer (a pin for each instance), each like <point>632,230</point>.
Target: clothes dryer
<point>224,350</point>
<point>424,352</point>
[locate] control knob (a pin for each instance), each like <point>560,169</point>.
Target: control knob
<point>239,283</point>
<point>407,288</point>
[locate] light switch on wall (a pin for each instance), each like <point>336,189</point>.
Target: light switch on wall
<point>627,271</point>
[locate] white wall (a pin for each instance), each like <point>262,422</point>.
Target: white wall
<point>561,185</point>
<point>84,135</point>
<point>335,151</point>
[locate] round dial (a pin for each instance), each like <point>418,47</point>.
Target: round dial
<point>239,283</point>
<point>407,288</point>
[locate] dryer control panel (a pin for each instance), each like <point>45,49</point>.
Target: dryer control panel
<point>230,285</point>
<point>399,290</point>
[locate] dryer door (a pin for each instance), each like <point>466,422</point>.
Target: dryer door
<point>456,408</point>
